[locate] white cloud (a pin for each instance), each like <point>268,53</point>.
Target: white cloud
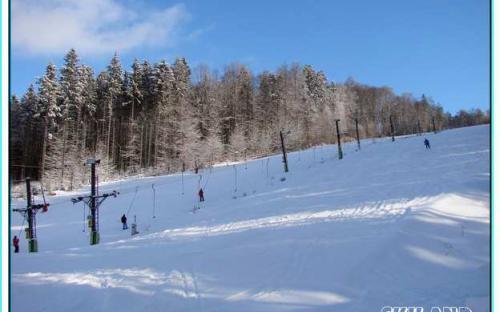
<point>200,31</point>
<point>90,26</point>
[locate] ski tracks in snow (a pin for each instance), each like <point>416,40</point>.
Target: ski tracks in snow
<point>380,211</point>
<point>184,283</point>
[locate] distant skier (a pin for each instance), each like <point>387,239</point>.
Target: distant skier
<point>15,241</point>
<point>427,144</point>
<point>200,193</point>
<point>124,222</point>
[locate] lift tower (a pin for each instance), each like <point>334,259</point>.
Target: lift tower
<point>29,213</point>
<point>94,200</point>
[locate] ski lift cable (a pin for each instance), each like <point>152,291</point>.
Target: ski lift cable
<point>235,178</point>
<point>22,225</point>
<point>195,200</point>
<point>131,189</point>
<point>84,218</point>
<point>182,181</point>
<point>43,194</point>
<point>133,200</point>
<point>122,191</point>
<point>208,179</point>
<point>249,182</point>
<point>154,199</point>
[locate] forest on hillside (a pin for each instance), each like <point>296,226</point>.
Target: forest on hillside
<point>162,118</point>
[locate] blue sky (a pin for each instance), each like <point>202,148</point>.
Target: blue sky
<point>435,47</point>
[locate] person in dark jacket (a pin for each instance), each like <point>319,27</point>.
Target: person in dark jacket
<point>124,222</point>
<point>427,144</point>
<point>200,193</point>
<point>15,241</point>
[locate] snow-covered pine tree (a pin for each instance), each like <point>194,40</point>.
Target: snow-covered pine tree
<point>49,110</point>
<point>266,106</point>
<point>155,117</point>
<point>205,110</point>
<point>17,122</point>
<point>147,114</point>
<point>132,100</point>
<point>189,137</point>
<point>203,98</point>
<point>88,109</point>
<point>164,130</point>
<point>72,101</point>
<point>30,132</point>
<point>113,96</point>
<point>228,97</point>
<point>244,109</point>
<point>315,104</point>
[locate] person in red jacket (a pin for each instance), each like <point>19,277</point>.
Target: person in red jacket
<point>200,193</point>
<point>15,241</point>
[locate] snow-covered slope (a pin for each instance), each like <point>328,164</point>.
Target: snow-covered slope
<point>391,225</point>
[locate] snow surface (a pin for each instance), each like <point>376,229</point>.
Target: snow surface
<point>391,225</point>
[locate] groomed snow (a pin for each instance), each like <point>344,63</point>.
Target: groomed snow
<point>391,225</point>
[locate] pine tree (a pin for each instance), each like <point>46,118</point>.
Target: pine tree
<point>155,118</point>
<point>189,139</point>
<point>113,91</point>
<point>204,113</point>
<point>49,110</point>
<point>72,85</point>
<point>315,101</point>
<point>133,99</point>
<point>17,122</point>
<point>88,109</point>
<point>164,138</point>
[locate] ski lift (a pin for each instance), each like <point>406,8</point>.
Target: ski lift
<point>133,227</point>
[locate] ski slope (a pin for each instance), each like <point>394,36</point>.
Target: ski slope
<point>393,224</point>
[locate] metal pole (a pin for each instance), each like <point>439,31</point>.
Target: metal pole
<point>285,160</point>
<point>235,178</point>
<point>93,233</point>
<point>29,208</point>
<point>154,198</point>
<point>338,138</point>
<point>357,133</point>
<point>182,178</point>
<point>267,169</point>
<point>392,128</point>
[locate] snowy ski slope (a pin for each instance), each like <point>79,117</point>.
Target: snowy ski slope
<point>390,225</point>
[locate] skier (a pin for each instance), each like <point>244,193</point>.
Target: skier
<point>124,222</point>
<point>15,241</point>
<point>200,193</point>
<point>427,144</point>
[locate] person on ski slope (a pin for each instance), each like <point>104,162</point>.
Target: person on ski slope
<point>427,144</point>
<point>200,193</point>
<point>15,242</point>
<point>124,222</point>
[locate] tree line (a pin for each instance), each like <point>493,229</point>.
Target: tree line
<point>162,118</point>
